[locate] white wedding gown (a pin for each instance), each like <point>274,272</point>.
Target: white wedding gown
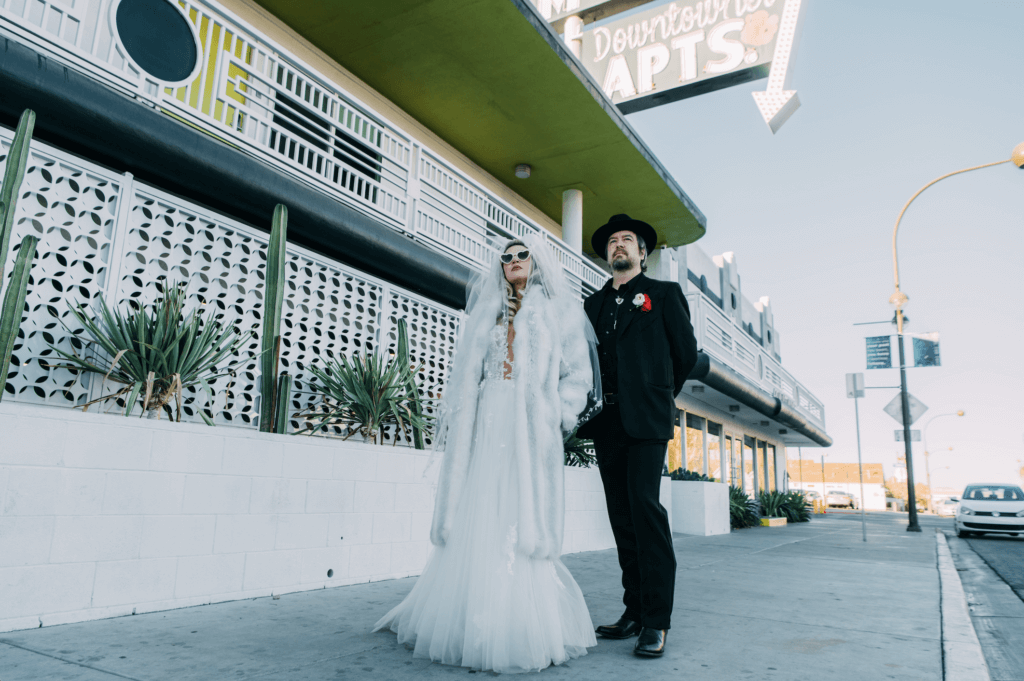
<point>479,603</point>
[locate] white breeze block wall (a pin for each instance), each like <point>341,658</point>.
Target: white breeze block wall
<point>102,515</point>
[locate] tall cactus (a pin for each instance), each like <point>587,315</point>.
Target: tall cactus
<point>284,396</point>
<point>273,303</point>
<point>402,357</point>
<point>14,304</point>
<point>14,173</point>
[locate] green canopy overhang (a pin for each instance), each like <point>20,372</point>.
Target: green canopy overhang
<point>494,81</point>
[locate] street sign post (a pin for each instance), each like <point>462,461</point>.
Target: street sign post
<point>855,389</point>
<point>895,408</point>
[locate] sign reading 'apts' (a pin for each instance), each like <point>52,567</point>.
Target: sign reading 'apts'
<point>683,49</point>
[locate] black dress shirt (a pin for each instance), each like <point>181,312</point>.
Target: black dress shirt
<point>607,332</point>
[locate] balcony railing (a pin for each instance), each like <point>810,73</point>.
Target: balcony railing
<point>719,337</point>
<point>264,100</point>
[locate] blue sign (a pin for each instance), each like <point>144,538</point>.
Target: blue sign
<point>926,353</point>
<point>879,352</point>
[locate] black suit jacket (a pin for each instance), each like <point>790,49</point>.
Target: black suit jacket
<point>656,351</point>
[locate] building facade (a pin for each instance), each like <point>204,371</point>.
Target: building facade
<point>394,139</point>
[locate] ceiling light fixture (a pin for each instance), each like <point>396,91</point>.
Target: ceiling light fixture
<point>523,171</point>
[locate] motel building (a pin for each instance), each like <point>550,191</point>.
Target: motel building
<point>408,141</point>
<point>807,473</point>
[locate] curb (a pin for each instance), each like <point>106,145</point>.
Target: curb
<point>962,657</point>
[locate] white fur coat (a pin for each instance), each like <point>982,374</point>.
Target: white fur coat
<point>553,376</point>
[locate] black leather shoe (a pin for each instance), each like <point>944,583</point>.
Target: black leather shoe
<point>651,642</point>
<point>624,628</point>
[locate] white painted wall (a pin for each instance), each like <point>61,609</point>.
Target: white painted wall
<point>102,515</point>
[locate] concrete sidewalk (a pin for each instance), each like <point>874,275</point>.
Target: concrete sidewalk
<point>807,601</point>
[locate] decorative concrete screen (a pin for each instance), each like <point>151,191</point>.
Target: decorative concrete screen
<point>104,234</point>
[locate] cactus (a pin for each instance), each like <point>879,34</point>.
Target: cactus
<point>14,304</point>
<point>284,396</point>
<point>14,173</point>
<point>273,302</point>
<point>410,382</point>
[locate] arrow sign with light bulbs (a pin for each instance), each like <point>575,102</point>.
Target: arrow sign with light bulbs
<point>777,103</point>
<point>683,49</point>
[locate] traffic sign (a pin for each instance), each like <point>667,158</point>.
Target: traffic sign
<point>915,435</point>
<point>895,408</point>
<point>855,385</point>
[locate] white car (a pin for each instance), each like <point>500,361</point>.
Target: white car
<point>946,508</point>
<point>992,508</point>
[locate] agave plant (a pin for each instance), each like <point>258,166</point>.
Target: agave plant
<point>579,453</point>
<point>366,394</point>
<point>155,352</point>
<point>685,475</point>
<point>743,511</point>
<point>773,504</point>
<point>795,507</point>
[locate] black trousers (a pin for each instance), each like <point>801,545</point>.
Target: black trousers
<point>631,472</point>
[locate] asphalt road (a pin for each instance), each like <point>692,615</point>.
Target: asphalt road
<point>1005,555</point>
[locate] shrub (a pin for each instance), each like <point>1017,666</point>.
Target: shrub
<point>691,476</point>
<point>743,511</point>
<point>796,507</point>
<point>789,505</point>
<point>365,393</point>
<point>155,351</point>
<point>772,504</point>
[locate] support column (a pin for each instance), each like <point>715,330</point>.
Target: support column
<point>572,219</point>
<point>574,35</point>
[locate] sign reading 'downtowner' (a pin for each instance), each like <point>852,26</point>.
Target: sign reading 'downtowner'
<point>682,49</point>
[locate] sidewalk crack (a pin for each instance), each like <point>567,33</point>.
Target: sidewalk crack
<point>66,661</point>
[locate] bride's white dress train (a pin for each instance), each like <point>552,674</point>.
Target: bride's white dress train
<point>479,603</point>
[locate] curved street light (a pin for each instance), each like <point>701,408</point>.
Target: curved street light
<point>898,300</point>
<point>927,469</point>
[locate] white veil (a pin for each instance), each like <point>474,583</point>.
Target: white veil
<point>485,303</point>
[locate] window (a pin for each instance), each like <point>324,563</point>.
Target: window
<point>675,447</point>
<point>994,493</point>
<point>158,38</point>
<point>768,466</point>
<point>748,465</point>
<point>694,443</point>
<point>715,471</point>
<point>730,464</point>
<point>352,158</point>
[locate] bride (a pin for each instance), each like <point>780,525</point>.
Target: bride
<point>494,594</point>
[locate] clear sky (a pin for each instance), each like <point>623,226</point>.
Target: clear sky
<point>893,95</point>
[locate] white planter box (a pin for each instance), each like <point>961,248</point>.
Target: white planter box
<point>700,508</point>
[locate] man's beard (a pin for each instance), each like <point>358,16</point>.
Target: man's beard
<point>622,264</point>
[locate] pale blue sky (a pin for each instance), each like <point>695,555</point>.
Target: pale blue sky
<point>894,94</point>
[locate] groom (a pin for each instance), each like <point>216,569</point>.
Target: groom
<point>646,350</point>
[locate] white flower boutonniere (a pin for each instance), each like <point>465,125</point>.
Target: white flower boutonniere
<point>638,299</point>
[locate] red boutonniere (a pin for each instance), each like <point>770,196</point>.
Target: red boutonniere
<point>642,301</point>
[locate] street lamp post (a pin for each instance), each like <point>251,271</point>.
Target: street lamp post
<point>927,468</point>
<point>898,300</point>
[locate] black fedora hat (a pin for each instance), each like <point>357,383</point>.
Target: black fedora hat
<point>618,223</point>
